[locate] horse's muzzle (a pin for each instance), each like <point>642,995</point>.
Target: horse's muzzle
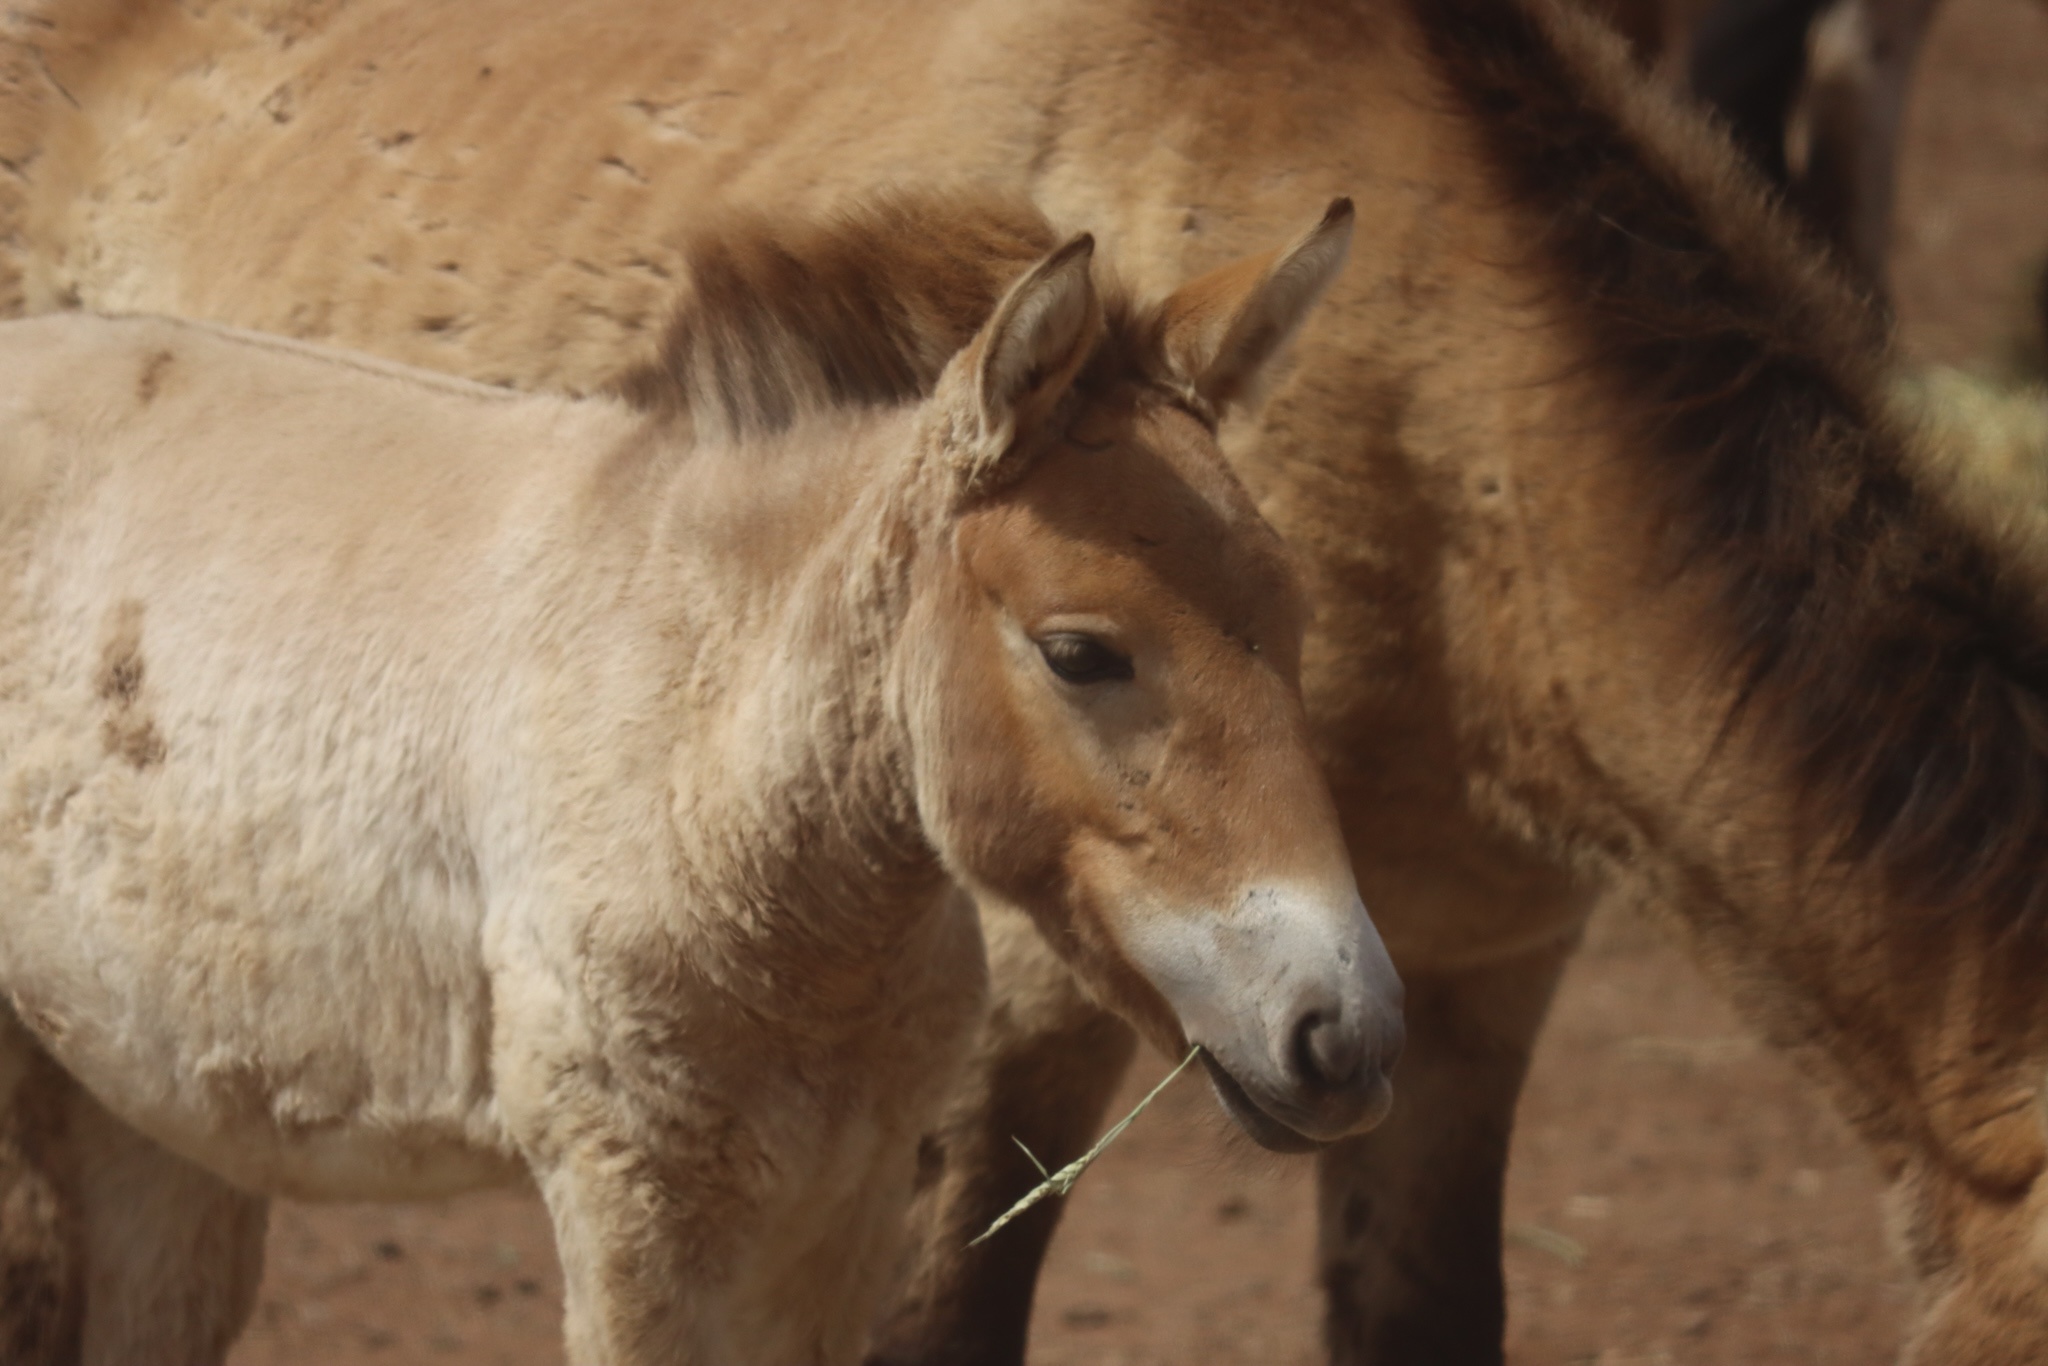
<point>1297,1009</point>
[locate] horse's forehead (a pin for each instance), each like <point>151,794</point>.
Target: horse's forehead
<point>1138,501</point>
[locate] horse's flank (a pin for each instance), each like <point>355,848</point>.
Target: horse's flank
<point>528,553</point>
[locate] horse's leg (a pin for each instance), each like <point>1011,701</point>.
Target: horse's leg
<point>1044,1068</point>
<point>172,1254</point>
<point>112,1251</point>
<point>681,1242</point>
<point>1411,1212</point>
<point>39,1299</point>
<point>1860,71</point>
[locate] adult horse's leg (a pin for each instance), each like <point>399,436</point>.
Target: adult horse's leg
<point>1044,1068</point>
<point>172,1255</point>
<point>1411,1212</point>
<point>1860,70</point>
<point>1850,64</point>
<point>39,1299</point>
<point>114,1250</point>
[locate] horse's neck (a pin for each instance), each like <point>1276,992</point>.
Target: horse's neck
<point>791,780</point>
<point>1666,609</point>
<point>1622,737</point>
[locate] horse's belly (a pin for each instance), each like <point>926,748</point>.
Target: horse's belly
<point>334,1094</point>
<point>310,1085</point>
<point>303,1015</point>
<point>393,1157</point>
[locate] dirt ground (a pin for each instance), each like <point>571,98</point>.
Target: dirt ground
<point>1678,1195</point>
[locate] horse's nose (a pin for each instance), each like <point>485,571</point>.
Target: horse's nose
<point>1327,1054</point>
<point>1296,1008</point>
<point>1340,1054</point>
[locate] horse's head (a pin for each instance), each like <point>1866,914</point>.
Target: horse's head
<point>1103,685</point>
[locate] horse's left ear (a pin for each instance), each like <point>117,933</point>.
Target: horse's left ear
<point>1219,333</point>
<point>1021,364</point>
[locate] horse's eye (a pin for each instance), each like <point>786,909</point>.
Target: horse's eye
<point>1083,659</point>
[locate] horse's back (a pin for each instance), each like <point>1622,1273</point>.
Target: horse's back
<point>297,493</point>
<point>292,446</point>
<point>389,220</point>
<point>60,376</point>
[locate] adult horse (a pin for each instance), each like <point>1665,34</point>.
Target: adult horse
<point>1623,576</point>
<point>410,784</point>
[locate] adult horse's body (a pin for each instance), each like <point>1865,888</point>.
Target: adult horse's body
<point>406,785</point>
<point>1582,454</point>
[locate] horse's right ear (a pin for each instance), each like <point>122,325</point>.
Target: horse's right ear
<point>1221,334</point>
<point>1021,363</point>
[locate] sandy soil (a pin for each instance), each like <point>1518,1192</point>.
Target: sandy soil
<point>1678,1194</point>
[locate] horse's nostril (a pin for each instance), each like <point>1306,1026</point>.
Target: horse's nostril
<point>1327,1053</point>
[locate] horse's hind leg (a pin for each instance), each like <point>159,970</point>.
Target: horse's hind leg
<point>113,1251</point>
<point>172,1254</point>
<point>1411,1212</point>
<point>39,1299</point>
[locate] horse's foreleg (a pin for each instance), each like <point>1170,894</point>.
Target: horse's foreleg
<point>1411,1212</point>
<point>1044,1068</point>
<point>172,1254</point>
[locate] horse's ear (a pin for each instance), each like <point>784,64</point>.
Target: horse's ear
<point>1026,356</point>
<point>1220,333</point>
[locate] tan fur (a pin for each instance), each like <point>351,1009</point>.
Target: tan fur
<point>1513,456</point>
<point>407,785</point>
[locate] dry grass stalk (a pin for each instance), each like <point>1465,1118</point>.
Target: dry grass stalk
<point>1062,1181</point>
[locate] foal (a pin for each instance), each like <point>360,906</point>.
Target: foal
<point>405,785</point>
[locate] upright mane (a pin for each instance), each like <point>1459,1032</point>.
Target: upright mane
<point>862,307</point>
<point>785,315</point>
<point>1881,641</point>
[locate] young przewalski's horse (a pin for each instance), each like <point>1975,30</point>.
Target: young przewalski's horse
<point>408,784</point>
<point>1623,579</point>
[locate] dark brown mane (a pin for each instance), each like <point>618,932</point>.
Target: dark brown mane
<point>859,308</point>
<point>863,307</point>
<point>1879,641</point>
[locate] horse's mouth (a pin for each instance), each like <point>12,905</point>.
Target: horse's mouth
<point>1266,1131</point>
